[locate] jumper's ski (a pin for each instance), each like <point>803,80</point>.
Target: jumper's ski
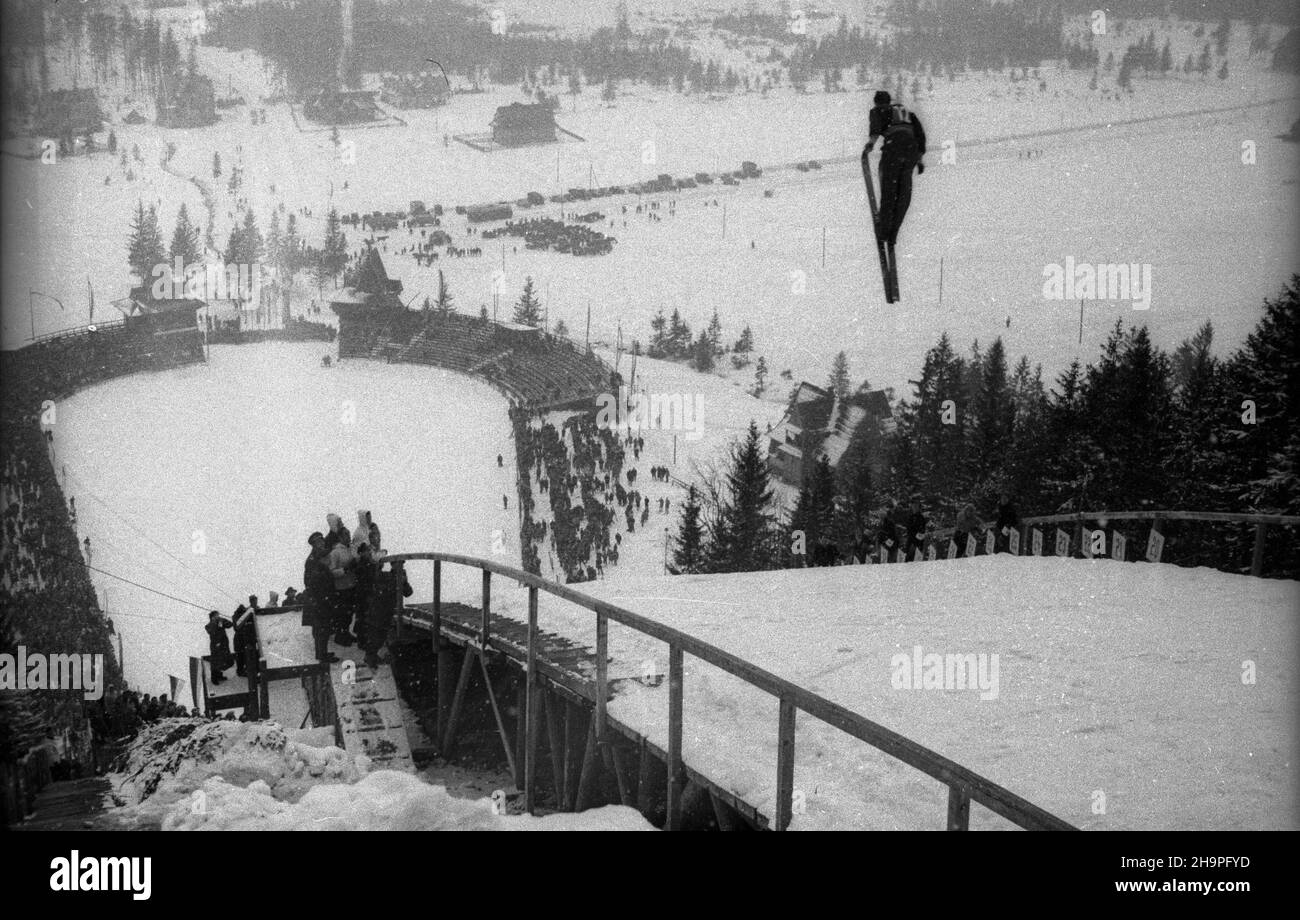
<point>893,274</point>
<point>875,228</point>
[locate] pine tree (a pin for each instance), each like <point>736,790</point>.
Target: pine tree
<point>838,382</point>
<point>610,92</point>
<point>658,337</point>
<point>185,239</point>
<point>290,258</point>
<point>216,165</point>
<point>445,303</point>
<point>715,334</point>
<point>703,353</point>
<point>528,310</point>
<point>994,418</point>
<point>743,539</point>
<point>561,330</point>
<point>1223,71</point>
<point>274,240</point>
<point>145,247</point>
<point>814,513</point>
<point>335,255</point>
<point>745,344</point>
<point>252,247</point>
<point>688,550</point>
<point>760,377</point>
<point>112,141</point>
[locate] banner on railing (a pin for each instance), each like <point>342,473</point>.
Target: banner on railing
<point>1062,542</point>
<point>1037,542</point>
<point>990,543</point>
<point>196,678</point>
<point>1085,543</point>
<point>952,549</point>
<point>884,554</point>
<point>1013,540</point>
<point>971,545</point>
<point>931,553</point>
<point>1118,546</point>
<point>901,555</point>
<point>1155,545</point>
<point>916,555</point>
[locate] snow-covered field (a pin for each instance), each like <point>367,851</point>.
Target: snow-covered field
<point>1125,695</point>
<point>1172,193</point>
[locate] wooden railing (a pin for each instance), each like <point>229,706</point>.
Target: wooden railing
<point>964,786</point>
<point>1077,520</point>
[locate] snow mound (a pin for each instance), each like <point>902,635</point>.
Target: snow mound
<point>192,774</point>
<point>384,800</point>
<point>172,758</point>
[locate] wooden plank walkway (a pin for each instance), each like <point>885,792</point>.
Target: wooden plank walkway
<point>370,716</point>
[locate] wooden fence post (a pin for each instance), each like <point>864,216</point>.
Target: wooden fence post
<point>674,822</point>
<point>958,809</point>
<point>399,574</point>
<point>484,630</point>
<point>442,655</point>
<point>602,674</point>
<point>1257,557</point>
<point>531,701</point>
<point>785,765</point>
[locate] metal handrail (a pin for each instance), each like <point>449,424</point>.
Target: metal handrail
<point>964,785</point>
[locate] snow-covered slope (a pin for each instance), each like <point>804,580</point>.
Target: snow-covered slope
<point>1127,696</point>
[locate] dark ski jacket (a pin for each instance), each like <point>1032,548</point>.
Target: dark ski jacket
<point>1007,517</point>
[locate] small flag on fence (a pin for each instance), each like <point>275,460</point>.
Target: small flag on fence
<point>196,677</point>
<point>1014,539</point>
<point>1062,543</point>
<point>931,553</point>
<point>1155,545</point>
<point>1038,542</point>
<point>990,543</point>
<point>952,549</point>
<point>1118,546</point>
<point>970,544</point>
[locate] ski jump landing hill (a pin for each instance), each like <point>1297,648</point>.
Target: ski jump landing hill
<point>1106,694</point>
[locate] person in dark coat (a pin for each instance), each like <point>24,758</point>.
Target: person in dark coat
<point>1007,521</point>
<point>219,657</point>
<point>382,604</point>
<point>367,574</point>
<point>915,529</point>
<point>245,634</point>
<point>968,524</point>
<point>887,538</point>
<point>824,553</point>
<point>903,150</point>
<point>318,596</point>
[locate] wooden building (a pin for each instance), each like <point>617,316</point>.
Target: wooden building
<point>517,125</point>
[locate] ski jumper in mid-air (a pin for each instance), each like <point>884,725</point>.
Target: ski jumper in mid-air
<point>903,148</point>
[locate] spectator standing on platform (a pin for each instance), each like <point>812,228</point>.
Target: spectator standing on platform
<point>382,605</point>
<point>887,538</point>
<point>915,528</point>
<point>342,563</point>
<point>366,576</point>
<point>245,634</point>
<point>1007,521</point>
<point>219,658</point>
<point>318,593</point>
